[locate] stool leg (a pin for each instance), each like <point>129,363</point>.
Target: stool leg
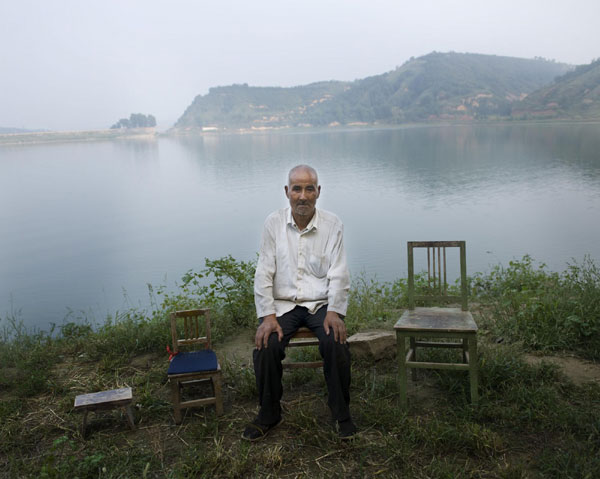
<point>129,416</point>
<point>84,423</point>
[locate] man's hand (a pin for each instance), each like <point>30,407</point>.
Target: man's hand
<point>334,322</point>
<point>269,325</point>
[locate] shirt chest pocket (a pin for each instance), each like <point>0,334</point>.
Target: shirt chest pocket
<point>318,265</point>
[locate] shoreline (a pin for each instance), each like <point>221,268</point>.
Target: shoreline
<point>44,137</point>
<point>150,134</point>
<point>215,131</point>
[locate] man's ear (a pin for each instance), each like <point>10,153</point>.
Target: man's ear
<point>286,191</point>
<point>318,191</point>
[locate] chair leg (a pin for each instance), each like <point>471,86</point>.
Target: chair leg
<point>401,345</point>
<point>176,400</point>
<point>218,394</point>
<point>473,369</point>
<point>465,348</point>
<point>413,346</point>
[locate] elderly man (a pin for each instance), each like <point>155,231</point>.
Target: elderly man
<point>301,280</point>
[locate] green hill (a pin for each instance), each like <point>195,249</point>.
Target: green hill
<point>442,86</point>
<point>575,95</point>
<point>437,86</point>
<point>243,106</point>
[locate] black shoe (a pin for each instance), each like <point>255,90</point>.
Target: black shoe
<point>255,431</point>
<point>346,429</point>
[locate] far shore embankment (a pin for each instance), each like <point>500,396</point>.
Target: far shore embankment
<point>238,130</point>
<point>71,136</point>
<point>12,139</point>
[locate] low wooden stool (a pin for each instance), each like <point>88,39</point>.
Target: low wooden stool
<point>104,400</point>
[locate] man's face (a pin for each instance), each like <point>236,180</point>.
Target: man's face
<point>303,192</point>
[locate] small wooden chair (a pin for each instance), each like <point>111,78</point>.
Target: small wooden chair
<point>436,322</point>
<point>187,368</point>
<point>303,337</point>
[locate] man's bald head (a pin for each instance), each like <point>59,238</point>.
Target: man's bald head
<point>303,169</point>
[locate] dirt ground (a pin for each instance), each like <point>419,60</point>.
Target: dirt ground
<point>168,442</point>
<point>239,349</point>
<point>577,370</point>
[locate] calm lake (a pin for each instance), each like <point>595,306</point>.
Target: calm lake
<point>86,226</point>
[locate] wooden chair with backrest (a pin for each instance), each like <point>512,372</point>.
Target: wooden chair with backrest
<point>196,366</point>
<point>303,337</point>
<point>439,324</point>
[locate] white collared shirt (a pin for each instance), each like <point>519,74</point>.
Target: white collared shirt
<point>301,268</point>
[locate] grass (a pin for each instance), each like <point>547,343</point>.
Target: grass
<point>548,311</point>
<point>532,421</point>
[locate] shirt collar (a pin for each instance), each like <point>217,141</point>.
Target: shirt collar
<point>313,223</point>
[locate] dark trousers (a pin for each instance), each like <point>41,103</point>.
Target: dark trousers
<point>336,366</point>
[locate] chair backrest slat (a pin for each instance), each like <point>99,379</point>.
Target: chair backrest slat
<point>190,331</point>
<point>437,268</point>
<point>428,266</point>
<point>445,278</point>
<point>437,277</point>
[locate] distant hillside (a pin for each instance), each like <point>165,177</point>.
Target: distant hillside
<point>244,106</point>
<point>575,95</point>
<point>438,86</point>
<point>444,86</point>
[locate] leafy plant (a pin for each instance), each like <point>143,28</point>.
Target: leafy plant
<point>225,285</point>
<point>546,310</point>
<point>374,304</point>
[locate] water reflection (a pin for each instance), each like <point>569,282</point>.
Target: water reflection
<point>511,189</point>
<point>83,221</point>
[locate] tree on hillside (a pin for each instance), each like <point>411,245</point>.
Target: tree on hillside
<point>136,120</point>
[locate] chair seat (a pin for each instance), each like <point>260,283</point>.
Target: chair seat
<point>443,320</point>
<point>193,361</point>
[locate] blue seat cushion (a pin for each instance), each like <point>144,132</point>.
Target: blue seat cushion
<point>193,361</point>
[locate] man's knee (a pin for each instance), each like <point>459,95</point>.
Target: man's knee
<point>273,350</point>
<point>330,347</point>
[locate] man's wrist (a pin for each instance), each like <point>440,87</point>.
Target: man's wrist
<point>341,315</point>
<point>268,318</point>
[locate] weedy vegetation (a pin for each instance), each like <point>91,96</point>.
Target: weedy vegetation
<point>547,311</point>
<point>532,421</point>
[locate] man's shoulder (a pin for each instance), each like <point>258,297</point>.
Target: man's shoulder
<point>277,217</point>
<point>330,218</point>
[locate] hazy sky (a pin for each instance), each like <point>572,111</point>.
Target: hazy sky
<point>84,64</point>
